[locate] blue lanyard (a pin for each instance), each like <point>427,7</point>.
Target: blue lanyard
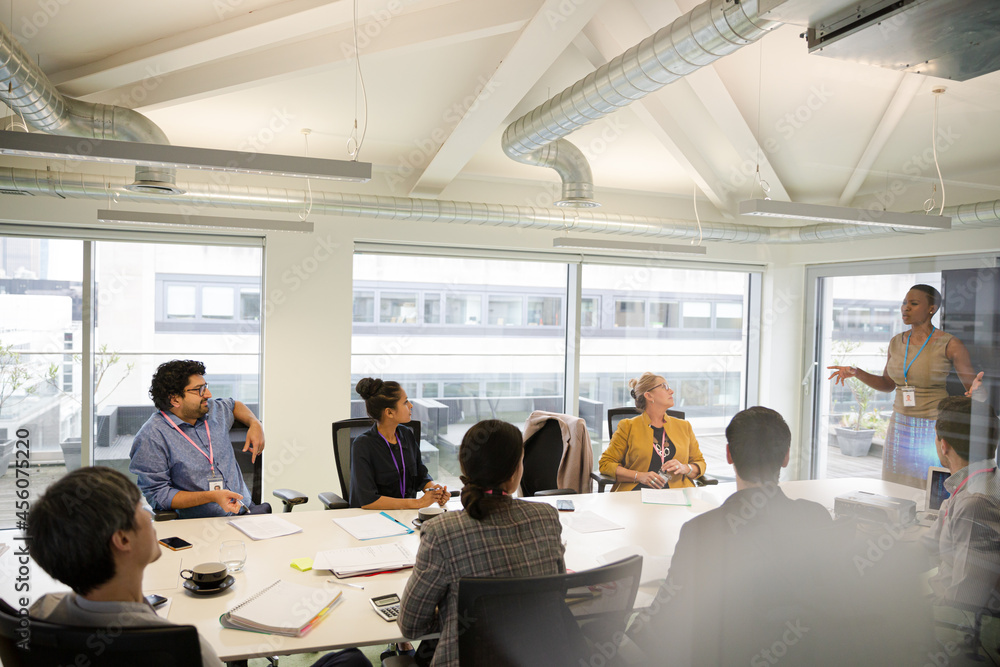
<point>402,477</point>
<point>906,366</point>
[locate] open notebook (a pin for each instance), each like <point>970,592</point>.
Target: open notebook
<point>283,608</point>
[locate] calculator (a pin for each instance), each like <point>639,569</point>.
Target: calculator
<point>387,606</point>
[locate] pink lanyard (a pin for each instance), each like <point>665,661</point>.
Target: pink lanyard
<point>402,476</point>
<point>963,484</point>
<point>662,449</point>
<point>210,454</point>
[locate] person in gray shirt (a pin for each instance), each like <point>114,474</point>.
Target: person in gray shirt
<point>91,532</point>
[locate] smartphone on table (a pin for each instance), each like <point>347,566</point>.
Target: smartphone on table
<point>565,505</point>
<point>175,543</point>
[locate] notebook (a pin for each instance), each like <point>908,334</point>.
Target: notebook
<point>356,561</point>
<point>283,608</point>
<point>370,526</point>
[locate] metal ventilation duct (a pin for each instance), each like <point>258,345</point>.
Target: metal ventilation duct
<point>29,93</point>
<point>708,32</point>
<point>211,196</point>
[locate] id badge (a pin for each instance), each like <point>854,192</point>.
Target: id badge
<point>909,397</point>
<point>215,483</point>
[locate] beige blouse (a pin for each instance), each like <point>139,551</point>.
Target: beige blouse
<point>927,375</point>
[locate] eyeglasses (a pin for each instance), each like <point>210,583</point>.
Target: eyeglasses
<point>664,385</point>
<point>200,389</point>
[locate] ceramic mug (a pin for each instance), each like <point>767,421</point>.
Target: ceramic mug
<point>206,574</point>
<point>430,512</point>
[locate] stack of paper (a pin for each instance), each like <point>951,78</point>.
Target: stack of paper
<point>666,497</point>
<point>264,527</point>
<point>364,560</point>
<point>371,526</point>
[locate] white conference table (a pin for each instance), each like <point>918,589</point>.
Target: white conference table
<point>352,621</point>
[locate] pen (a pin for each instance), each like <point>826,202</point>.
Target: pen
<point>344,583</point>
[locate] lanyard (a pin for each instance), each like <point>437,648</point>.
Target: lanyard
<point>210,454</point>
<point>963,484</point>
<point>402,476</point>
<point>662,449</point>
<point>906,367</point>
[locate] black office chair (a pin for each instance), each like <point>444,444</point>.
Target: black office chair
<point>615,415</point>
<point>543,452</point>
<point>53,645</point>
<point>344,433</point>
<point>561,619</point>
<point>252,475</point>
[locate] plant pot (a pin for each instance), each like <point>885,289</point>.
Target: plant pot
<point>854,443</point>
<point>71,453</point>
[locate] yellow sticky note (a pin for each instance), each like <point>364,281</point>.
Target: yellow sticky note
<point>303,564</point>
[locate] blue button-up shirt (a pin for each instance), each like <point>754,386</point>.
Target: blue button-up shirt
<point>167,463</point>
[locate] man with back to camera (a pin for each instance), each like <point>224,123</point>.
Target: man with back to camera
<point>747,579</point>
<point>182,454</point>
<point>966,535</point>
<point>90,531</point>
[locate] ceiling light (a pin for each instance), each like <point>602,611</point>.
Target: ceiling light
<point>770,208</point>
<point>179,157</point>
<point>256,224</point>
<point>566,242</point>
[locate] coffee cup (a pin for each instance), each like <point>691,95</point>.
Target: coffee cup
<point>206,575</point>
<point>425,513</point>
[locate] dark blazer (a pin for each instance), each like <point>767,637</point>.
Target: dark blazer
<point>374,473</point>
<point>744,576</point>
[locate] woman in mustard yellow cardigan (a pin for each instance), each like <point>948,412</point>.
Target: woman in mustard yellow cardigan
<point>652,450</point>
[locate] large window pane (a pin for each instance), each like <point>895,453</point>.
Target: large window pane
<point>181,301</point>
<point>481,361</point>
<point>41,308</point>
<point>217,303</point>
<point>398,308</point>
<point>364,306</point>
<point>705,371</point>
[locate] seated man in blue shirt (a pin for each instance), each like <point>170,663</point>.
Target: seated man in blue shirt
<point>182,454</point>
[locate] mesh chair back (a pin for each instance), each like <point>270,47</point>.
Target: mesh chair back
<point>564,619</point>
<point>250,469</point>
<point>53,644</point>
<point>344,433</point>
<point>542,454</point>
<point>615,415</point>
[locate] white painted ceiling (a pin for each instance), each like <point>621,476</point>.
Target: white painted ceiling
<point>232,73</point>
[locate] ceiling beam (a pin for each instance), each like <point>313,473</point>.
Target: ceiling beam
<point>217,71</point>
<point>907,89</point>
<point>549,32</point>
<point>718,103</point>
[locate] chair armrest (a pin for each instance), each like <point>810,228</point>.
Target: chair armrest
<point>602,480</point>
<point>290,498</point>
<point>555,492</point>
<point>705,480</point>
<point>164,515</point>
<point>332,501</point>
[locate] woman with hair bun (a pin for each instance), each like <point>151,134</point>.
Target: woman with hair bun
<point>652,450</point>
<point>386,470</point>
<point>496,536</point>
<point>916,369</point>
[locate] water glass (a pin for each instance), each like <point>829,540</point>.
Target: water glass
<point>234,554</point>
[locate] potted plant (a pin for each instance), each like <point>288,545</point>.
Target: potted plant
<point>854,435</point>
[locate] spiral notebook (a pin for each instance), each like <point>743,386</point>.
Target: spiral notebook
<point>283,608</point>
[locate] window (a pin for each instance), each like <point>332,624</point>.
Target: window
<point>505,311</point>
<point>858,319</point>
<point>590,312</point>
<point>463,309</point>
<point>883,320</point>
<point>663,314</point>
<point>217,303</point>
<point>196,303</point>
<point>696,315</point>
<point>729,316</point>
<point>629,313</point>
<point>364,307</point>
<point>545,311</point>
<point>432,308</point>
<point>397,308</point>
<point>181,302</point>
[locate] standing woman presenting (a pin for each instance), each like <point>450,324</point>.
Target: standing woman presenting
<point>917,368</point>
